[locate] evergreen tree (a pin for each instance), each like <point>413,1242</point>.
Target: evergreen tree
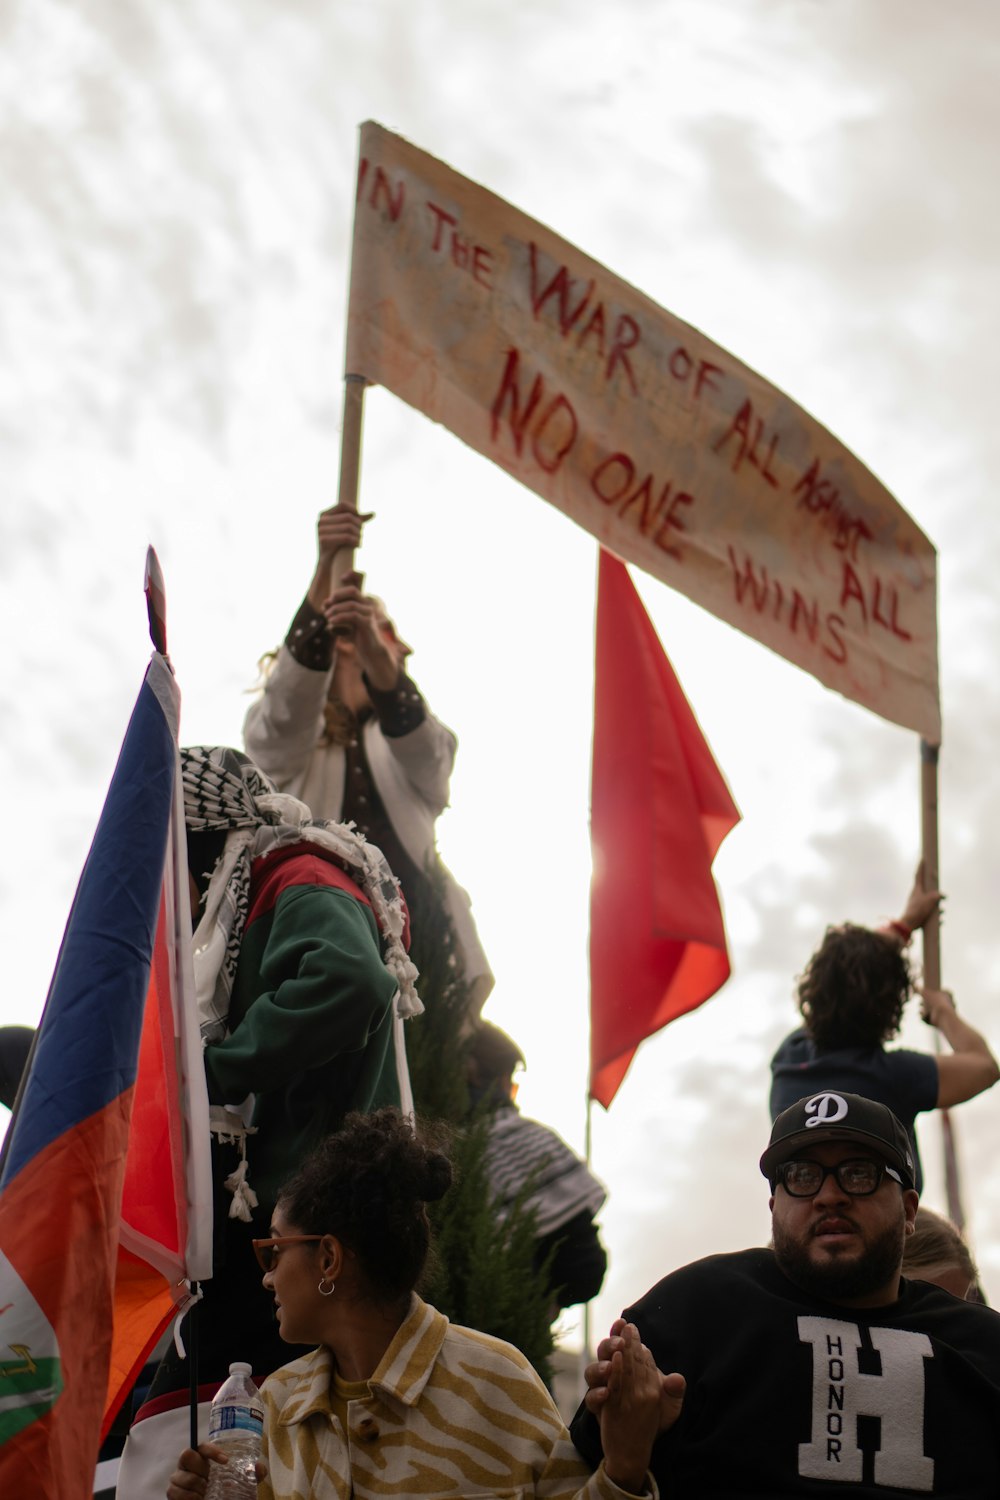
<point>483,1274</point>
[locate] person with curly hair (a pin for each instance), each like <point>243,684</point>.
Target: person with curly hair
<point>852,995</point>
<point>396,1400</point>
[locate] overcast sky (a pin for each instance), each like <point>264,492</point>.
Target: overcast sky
<point>811,183</point>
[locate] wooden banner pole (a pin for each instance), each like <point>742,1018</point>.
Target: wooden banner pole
<point>929,857</point>
<point>350,464</point>
<point>932,956</point>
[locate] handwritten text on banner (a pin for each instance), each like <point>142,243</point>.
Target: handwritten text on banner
<point>675,455</point>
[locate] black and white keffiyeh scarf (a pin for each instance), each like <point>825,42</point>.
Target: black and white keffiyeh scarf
<point>224,790</point>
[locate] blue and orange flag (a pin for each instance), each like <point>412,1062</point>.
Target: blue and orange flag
<point>104,1191</point>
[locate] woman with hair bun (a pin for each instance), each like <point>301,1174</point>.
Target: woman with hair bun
<point>396,1400</point>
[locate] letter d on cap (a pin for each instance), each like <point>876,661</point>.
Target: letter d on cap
<point>826,1109</point>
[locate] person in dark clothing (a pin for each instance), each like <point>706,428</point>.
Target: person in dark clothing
<point>563,1193</point>
<point>814,1367</point>
<point>852,996</point>
<point>15,1049</point>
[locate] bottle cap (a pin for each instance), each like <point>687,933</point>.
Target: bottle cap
<point>239,1368</point>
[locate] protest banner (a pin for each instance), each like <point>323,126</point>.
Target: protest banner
<point>671,452</point>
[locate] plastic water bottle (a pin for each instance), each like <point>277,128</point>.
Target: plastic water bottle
<point>237,1425</point>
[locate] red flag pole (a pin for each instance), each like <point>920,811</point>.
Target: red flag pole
<point>586,1150</point>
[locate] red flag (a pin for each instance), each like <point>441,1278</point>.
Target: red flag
<point>660,808</point>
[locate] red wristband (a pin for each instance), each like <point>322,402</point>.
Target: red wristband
<point>904,932</point>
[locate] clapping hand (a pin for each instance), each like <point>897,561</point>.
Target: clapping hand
<point>633,1401</point>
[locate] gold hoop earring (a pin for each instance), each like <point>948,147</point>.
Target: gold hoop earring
<point>324,1290</point>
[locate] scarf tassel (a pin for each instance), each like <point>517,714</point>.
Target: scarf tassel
<point>244,1197</point>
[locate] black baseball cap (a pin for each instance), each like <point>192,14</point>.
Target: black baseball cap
<point>833,1116</point>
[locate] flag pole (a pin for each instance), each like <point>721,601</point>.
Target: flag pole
<point>932,954</point>
<point>586,1149</point>
<point>192,1343</point>
<point>929,856</point>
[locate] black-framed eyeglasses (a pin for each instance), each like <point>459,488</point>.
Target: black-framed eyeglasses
<point>266,1251</point>
<point>859,1177</point>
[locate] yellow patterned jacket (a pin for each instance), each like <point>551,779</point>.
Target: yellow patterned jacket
<point>450,1413</point>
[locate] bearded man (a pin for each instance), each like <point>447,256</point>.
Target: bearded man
<point>813,1367</point>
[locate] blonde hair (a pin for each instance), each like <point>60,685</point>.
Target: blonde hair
<point>935,1247</point>
<point>265,666</point>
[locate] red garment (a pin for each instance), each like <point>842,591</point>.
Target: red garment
<point>276,871</point>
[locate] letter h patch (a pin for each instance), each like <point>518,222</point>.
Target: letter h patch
<point>841,1394</point>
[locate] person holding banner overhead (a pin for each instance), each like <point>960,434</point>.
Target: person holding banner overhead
<point>342,726</point>
<point>851,996</point>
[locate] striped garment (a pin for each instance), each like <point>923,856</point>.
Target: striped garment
<point>562,1186</point>
<point>450,1413</point>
